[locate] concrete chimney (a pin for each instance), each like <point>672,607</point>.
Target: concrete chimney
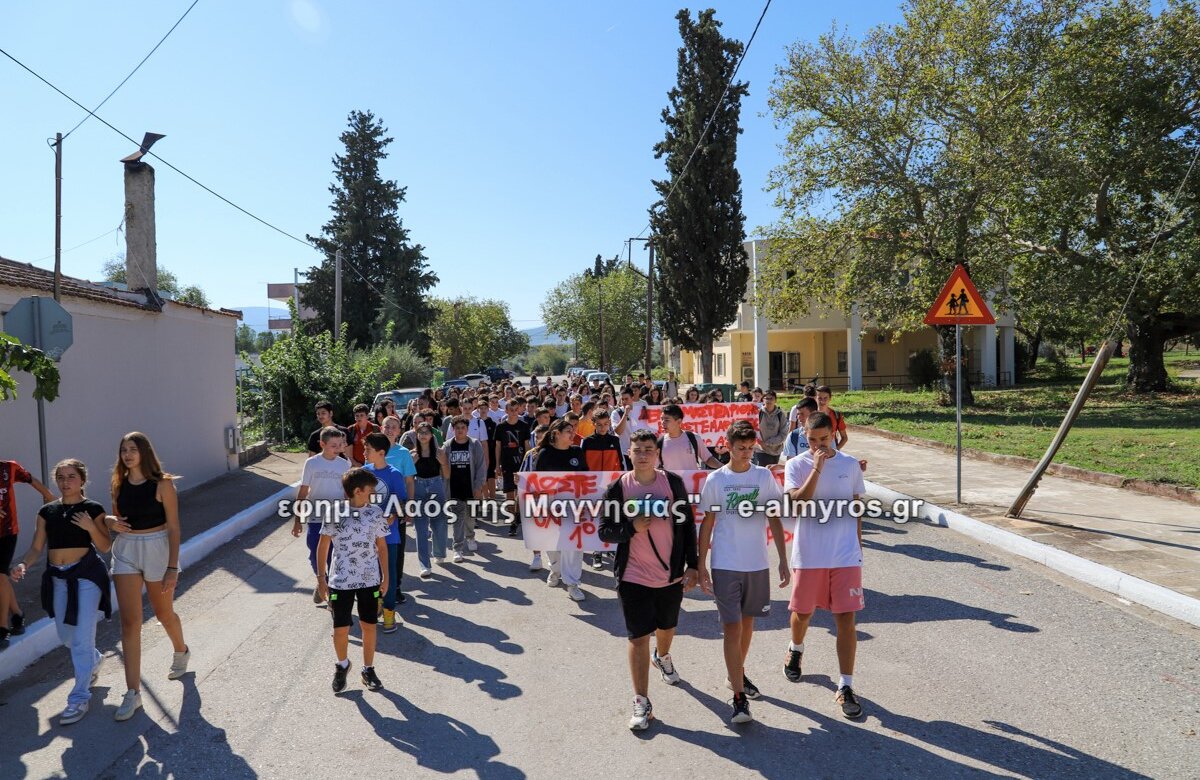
<point>141,248</point>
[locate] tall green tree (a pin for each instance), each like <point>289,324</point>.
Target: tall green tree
<point>114,271</point>
<point>366,225</point>
<point>572,310</point>
<point>698,226</point>
<point>898,147</point>
<point>468,334</point>
<point>1105,210</point>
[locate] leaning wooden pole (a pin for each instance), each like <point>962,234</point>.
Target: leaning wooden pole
<point>1089,382</point>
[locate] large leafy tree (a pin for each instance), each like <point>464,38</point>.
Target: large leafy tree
<point>467,334</point>
<point>378,258</point>
<point>698,225</point>
<point>168,282</point>
<point>572,310</point>
<point>897,150</point>
<point>1107,211</point>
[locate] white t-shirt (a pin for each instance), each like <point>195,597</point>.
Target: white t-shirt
<point>477,429</point>
<point>562,409</point>
<point>739,543</point>
<point>355,557</point>
<point>323,478</point>
<point>497,415</point>
<point>678,455</point>
<point>637,420</point>
<point>834,543</point>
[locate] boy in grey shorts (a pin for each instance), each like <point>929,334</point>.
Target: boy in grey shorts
<point>740,577</point>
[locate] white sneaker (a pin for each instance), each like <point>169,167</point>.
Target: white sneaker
<point>426,573</point>
<point>179,663</point>
<point>471,545</point>
<point>665,666</point>
<point>458,556</point>
<point>129,705</point>
<point>574,593</point>
<point>643,713</point>
<point>553,579</point>
<point>536,563</point>
<point>73,714</point>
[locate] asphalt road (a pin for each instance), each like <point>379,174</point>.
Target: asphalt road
<point>971,663</point>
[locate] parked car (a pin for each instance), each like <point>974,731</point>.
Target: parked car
<point>399,397</point>
<point>497,374</point>
<point>475,380</point>
<point>459,383</point>
<point>598,376</point>
<point>578,371</point>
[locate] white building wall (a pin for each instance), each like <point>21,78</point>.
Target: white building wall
<point>168,375</point>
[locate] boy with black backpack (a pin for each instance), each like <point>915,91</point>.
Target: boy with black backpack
<point>656,562</point>
<point>681,450</point>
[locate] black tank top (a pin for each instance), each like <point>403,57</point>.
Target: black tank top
<point>139,506</point>
<point>428,466</point>
<point>61,533</point>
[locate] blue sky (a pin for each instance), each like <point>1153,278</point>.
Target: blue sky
<point>523,131</point>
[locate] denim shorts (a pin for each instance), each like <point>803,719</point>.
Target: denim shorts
<point>144,554</point>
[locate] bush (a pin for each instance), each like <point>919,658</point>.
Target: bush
<point>923,369</point>
<point>402,366</point>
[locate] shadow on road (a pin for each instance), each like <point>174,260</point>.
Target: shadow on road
<point>415,647</point>
<point>438,742</point>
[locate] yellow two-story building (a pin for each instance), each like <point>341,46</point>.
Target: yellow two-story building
<point>838,348</point>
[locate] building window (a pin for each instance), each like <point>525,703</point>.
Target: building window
<point>720,364</point>
<point>871,361</point>
<point>841,368</point>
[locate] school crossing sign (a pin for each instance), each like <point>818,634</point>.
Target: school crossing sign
<point>959,303</point>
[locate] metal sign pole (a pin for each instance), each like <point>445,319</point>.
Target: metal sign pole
<point>41,405</point>
<point>958,408</point>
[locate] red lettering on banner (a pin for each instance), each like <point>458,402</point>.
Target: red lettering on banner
<point>577,483</point>
<point>578,534</point>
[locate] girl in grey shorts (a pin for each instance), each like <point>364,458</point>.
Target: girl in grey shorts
<point>145,553</point>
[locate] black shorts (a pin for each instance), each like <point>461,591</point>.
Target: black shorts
<point>341,604</point>
<point>510,480</point>
<point>8,546</point>
<point>649,609</point>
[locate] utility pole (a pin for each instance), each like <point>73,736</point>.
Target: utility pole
<point>337,293</point>
<point>650,309</point>
<point>296,298</point>
<point>58,139</point>
<point>598,272</point>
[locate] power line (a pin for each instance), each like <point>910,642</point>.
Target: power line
<point>135,70</point>
<point>85,243</point>
<point>716,109</point>
<point>201,185</point>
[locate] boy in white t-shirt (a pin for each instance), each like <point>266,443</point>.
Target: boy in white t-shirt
<point>358,542</point>
<point>740,578</point>
<point>320,482</point>
<point>826,556</point>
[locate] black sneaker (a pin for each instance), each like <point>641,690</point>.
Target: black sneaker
<point>598,561</point>
<point>791,668</point>
<point>401,598</point>
<point>370,679</point>
<point>339,677</point>
<point>514,529</point>
<point>18,625</point>
<point>741,709</point>
<point>850,706</point>
<point>750,689</point>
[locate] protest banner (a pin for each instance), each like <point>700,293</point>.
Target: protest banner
<point>708,421</point>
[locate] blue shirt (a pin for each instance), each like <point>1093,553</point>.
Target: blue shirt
<point>390,486</point>
<point>401,459</point>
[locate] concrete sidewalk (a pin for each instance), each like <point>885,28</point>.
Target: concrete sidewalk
<point>200,508</point>
<point>1152,538</point>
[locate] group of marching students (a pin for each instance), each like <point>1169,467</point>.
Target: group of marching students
<point>447,456</point>
<point>455,451</point>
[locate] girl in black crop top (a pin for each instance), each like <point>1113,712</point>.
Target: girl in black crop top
<point>75,586</point>
<point>145,555</point>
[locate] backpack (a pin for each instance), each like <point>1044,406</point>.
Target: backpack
<point>692,440</point>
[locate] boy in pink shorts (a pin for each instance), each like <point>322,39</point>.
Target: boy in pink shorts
<point>826,555</point>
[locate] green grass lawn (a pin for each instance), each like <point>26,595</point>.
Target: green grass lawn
<point>1154,437</point>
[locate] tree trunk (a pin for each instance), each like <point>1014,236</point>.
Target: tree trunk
<point>1034,346</point>
<point>706,361</point>
<point>947,396</point>
<point>1147,371</point>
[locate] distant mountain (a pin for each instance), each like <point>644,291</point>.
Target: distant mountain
<point>256,316</point>
<point>538,336</point>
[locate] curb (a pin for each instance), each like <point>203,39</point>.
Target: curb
<point>42,637</point>
<point>1159,489</point>
<point>1128,587</point>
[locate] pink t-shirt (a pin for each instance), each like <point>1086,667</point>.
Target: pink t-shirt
<point>643,567</point>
